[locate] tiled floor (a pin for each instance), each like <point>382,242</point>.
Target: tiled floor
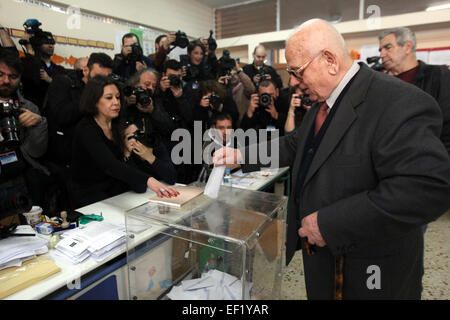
<point>437,266</point>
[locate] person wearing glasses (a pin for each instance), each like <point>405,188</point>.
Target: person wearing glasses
<point>368,171</point>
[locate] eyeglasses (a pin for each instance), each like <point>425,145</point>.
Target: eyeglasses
<point>298,72</point>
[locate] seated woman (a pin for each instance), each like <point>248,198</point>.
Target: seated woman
<point>147,154</point>
<point>98,171</point>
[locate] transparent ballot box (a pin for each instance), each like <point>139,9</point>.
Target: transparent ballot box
<point>229,248</point>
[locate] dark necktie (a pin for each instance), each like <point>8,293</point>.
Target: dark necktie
<point>321,116</point>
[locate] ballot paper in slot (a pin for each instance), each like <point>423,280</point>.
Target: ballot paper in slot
<point>214,181</point>
<point>15,250</point>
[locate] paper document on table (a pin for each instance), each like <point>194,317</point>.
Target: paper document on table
<point>215,180</point>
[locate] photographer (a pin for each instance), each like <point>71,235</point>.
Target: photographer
<point>299,104</point>
<point>146,110</point>
<point>212,98</point>
<point>238,84</point>
<point>147,154</point>
<point>258,71</point>
<point>23,134</point>
<point>200,63</point>
<point>63,106</point>
<point>172,96</point>
<point>265,110</point>
<point>39,70</point>
<point>98,171</point>
<point>131,59</point>
<point>162,49</point>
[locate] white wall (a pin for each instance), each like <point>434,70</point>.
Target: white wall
<point>188,15</point>
<point>356,33</point>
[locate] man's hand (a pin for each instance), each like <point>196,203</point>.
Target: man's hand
<point>140,66</point>
<point>224,80</point>
<point>256,79</point>
<point>143,151</point>
<point>164,84</point>
<point>28,119</point>
<point>272,111</point>
<point>44,76</point>
<point>254,103</point>
<point>148,109</point>
<point>310,230</point>
<point>226,156</point>
<point>177,91</point>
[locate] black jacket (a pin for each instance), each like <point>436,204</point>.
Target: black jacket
<point>62,109</point>
<point>435,80</point>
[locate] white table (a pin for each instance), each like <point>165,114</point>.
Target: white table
<point>114,211</point>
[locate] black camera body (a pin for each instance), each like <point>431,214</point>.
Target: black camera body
<point>181,39</point>
<point>377,66</point>
<point>265,100</point>
<point>175,80</point>
<point>39,37</point>
<point>212,44</point>
<point>148,139</point>
<point>226,64</point>
<point>9,114</point>
<point>13,200</point>
<point>143,96</point>
<point>215,101</point>
<point>136,53</point>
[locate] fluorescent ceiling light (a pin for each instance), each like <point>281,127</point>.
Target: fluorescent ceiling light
<point>439,7</point>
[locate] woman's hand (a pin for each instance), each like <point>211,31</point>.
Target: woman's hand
<point>143,151</point>
<point>161,189</point>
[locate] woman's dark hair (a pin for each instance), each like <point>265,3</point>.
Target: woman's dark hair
<point>209,86</point>
<point>194,44</point>
<point>92,93</point>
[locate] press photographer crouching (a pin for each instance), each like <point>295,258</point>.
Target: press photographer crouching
<point>265,110</point>
<point>98,170</point>
<point>23,139</point>
<point>146,109</point>
<point>145,152</point>
<point>132,58</point>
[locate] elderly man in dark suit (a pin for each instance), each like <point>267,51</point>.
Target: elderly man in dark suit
<point>367,172</point>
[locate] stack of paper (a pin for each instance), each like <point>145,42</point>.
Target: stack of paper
<point>213,285</point>
<point>15,250</point>
<point>98,239</point>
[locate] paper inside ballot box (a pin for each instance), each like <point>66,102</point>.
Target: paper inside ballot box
<point>243,223</point>
<point>32,271</point>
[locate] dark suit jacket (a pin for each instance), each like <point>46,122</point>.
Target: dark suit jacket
<point>379,174</point>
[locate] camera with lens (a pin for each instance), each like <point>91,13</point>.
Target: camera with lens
<point>136,53</point>
<point>175,80</point>
<point>147,139</point>
<point>265,100</point>
<point>144,97</point>
<point>215,101</point>
<point>9,114</point>
<point>226,64</point>
<point>212,44</point>
<point>181,40</point>
<point>377,66</point>
<point>39,37</point>
<point>14,201</point>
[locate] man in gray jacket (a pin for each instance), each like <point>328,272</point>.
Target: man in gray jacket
<point>23,131</point>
